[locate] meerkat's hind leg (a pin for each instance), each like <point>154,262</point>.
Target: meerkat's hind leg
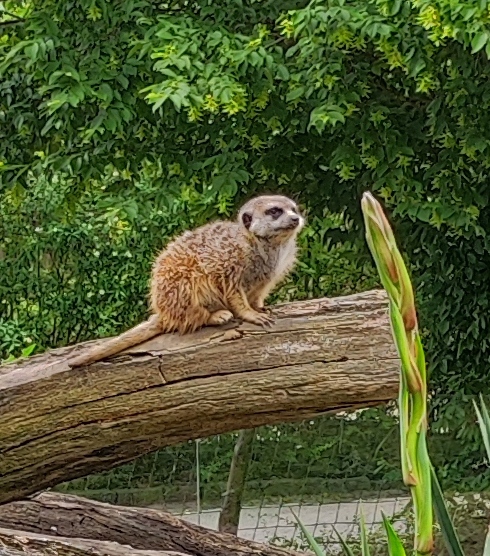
<point>220,317</point>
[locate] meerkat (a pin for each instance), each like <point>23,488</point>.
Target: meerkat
<point>220,271</point>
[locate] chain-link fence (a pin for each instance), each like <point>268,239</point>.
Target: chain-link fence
<point>325,459</point>
<point>324,470</point>
<point>277,524</point>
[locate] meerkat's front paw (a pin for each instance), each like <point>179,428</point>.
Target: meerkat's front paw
<point>220,317</point>
<point>260,319</point>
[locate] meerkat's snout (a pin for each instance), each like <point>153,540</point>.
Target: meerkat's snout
<point>294,219</point>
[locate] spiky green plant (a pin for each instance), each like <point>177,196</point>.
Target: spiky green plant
<point>413,384</point>
<point>418,473</point>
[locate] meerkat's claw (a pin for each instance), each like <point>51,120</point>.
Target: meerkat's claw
<point>259,319</point>
<point>220,317</point>
<point>267,323</point>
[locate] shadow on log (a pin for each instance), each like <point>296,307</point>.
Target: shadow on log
<point>142,528</point>
<point>58,423</point>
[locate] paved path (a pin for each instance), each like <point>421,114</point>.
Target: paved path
<point>265,523</point>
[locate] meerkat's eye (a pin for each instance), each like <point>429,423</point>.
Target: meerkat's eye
<point>275,212</point>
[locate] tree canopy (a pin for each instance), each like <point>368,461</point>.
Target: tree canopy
<point>332,96</point>
<point>145,116</point>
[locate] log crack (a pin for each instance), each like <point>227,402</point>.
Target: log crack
<point>321,356</point>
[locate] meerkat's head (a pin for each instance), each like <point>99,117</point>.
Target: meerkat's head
<point>271,216</point>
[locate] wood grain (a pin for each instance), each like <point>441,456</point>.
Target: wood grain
<point>144,529</point>
<point>18,543</point>
<point>58,423</point>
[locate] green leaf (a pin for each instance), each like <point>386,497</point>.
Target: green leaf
<point>395,7</point>
<point>176,98</point>
<point>318,551</point>
<point>417,66</point>
<point>226,95</point>
<point>486,548</point>
<point>28,350</point>
<point>449,534</point>
<point>283,72</point>
<point>106,93</point>
<point>364,537</point>
<point>479,41</point>
<point>484,422</point>
<point>345,547</point>
<point>48,125</point>
<point>256,59</point>
<point>123,80</point>
<point>97,121</point>
<point>295,93</point>
<point>334,117</point>
<point>395,546</point>
<point>32,50</point>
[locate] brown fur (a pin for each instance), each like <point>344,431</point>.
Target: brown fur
<point>216,272</point>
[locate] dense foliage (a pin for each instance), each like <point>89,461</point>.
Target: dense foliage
<point>122,123</point>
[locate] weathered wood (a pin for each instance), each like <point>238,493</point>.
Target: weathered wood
<point>144,529</point>
<point>58,423</point>
<point>16,543</point>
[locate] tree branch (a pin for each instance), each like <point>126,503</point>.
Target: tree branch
<point>16,20</point>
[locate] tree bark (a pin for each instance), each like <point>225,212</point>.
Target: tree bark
<point>17,543</point>
<point>232,501</point>
<point>58,423</point>
<point>142,528</point>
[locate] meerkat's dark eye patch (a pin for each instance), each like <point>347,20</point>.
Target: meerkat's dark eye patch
<point>275,212</point>
<point>247,219</point>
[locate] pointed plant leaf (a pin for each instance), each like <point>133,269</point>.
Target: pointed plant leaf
<point>483,429</point>
<point>484,422</point>
<point>309,537</point>
<point>28,350</point>
<point>345,547</point>
<point>364,537</point>
<point>486,548</point>
<point>395,546</point>
<point>449,534</point>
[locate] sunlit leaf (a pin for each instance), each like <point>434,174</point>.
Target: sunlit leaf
<point>395,546</point>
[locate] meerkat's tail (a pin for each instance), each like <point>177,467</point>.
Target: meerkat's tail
<point>140,333</point>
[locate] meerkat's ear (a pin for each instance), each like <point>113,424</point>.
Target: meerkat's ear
<point>247,219</point>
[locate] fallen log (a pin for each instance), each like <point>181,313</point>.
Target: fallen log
<point>142,528</point>
<point>17,543</point>
<point>58,423</point>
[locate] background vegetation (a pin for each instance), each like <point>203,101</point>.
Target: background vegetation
<point>123,123</point>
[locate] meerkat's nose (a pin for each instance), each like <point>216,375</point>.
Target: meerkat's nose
<point>295,219</point>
